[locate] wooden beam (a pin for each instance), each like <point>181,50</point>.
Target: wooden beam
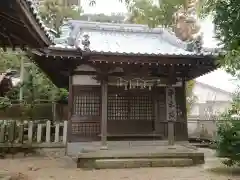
<point>23,42</point>
<point>184,110</point>
<point>26,18</point>
<point>70,106</point>
<point>34,27</point>
<point>3,34</point>
<point>104,114</point>
<point>10,36</point>
<point>156,110</point>
<point>134,70</point>
<point>64,53</point>
<point>7,33</point>
<point>7,36</point>
<point>172,75</point>
<point>11,19</point>
<point>118,59</point>
<point>200,70</point>
<point>15,30</point>
<point>3,45</point>
<point>178,60</point>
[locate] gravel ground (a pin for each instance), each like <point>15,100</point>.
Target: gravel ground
<point>54,167</point>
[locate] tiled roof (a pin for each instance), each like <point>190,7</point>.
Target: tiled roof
<point>130,39</point>
<point>35,13</point>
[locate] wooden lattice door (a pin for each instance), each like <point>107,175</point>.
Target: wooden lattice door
<point>130,112</point>
<point>85,121</point>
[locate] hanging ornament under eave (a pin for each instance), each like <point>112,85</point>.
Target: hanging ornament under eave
<point>126,86</point>
<point>133,86</point>
<point>150,87</point>
<point>120,82</point>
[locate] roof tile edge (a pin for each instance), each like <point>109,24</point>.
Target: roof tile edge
<point>39,20</point>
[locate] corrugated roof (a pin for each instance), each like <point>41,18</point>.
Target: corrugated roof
<point>133,39</point>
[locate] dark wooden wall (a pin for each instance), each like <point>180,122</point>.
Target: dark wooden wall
<point>129,112</point>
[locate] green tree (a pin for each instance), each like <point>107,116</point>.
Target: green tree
<point>228,141</point>
<point>10,60</point>
<point>36,85</point>
<point>55,12</point>
<point>176,15</point>
<point>227,20</point>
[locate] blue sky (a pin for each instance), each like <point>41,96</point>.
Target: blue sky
<point>218,78</point>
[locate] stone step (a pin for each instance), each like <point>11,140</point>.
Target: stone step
<point>138,163</point>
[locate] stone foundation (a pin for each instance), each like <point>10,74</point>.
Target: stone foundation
<point>160,156</point>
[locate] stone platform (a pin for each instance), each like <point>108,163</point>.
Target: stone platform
<point>136,157</point>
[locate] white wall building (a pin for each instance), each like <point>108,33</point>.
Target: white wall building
<point>210,101</point>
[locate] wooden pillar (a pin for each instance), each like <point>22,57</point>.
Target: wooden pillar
<point>156,117</point>
<point>104,93</point>
<point>158,102</point>
<point>70,97</point>
<point>184,109</point>
<point>155,109</point>
<point>171,113</point>
<point>70,107</point>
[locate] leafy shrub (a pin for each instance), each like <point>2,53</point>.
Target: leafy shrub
<point>62,96</point>
<point>228,141</point>
<point>4,103</point>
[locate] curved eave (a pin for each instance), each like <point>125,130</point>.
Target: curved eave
<point>71,51</point>
<point>21,26</point>
<point>139,54</point>
<point>56,62</point>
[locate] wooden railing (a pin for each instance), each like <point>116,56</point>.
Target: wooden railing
<point>33,133</point>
